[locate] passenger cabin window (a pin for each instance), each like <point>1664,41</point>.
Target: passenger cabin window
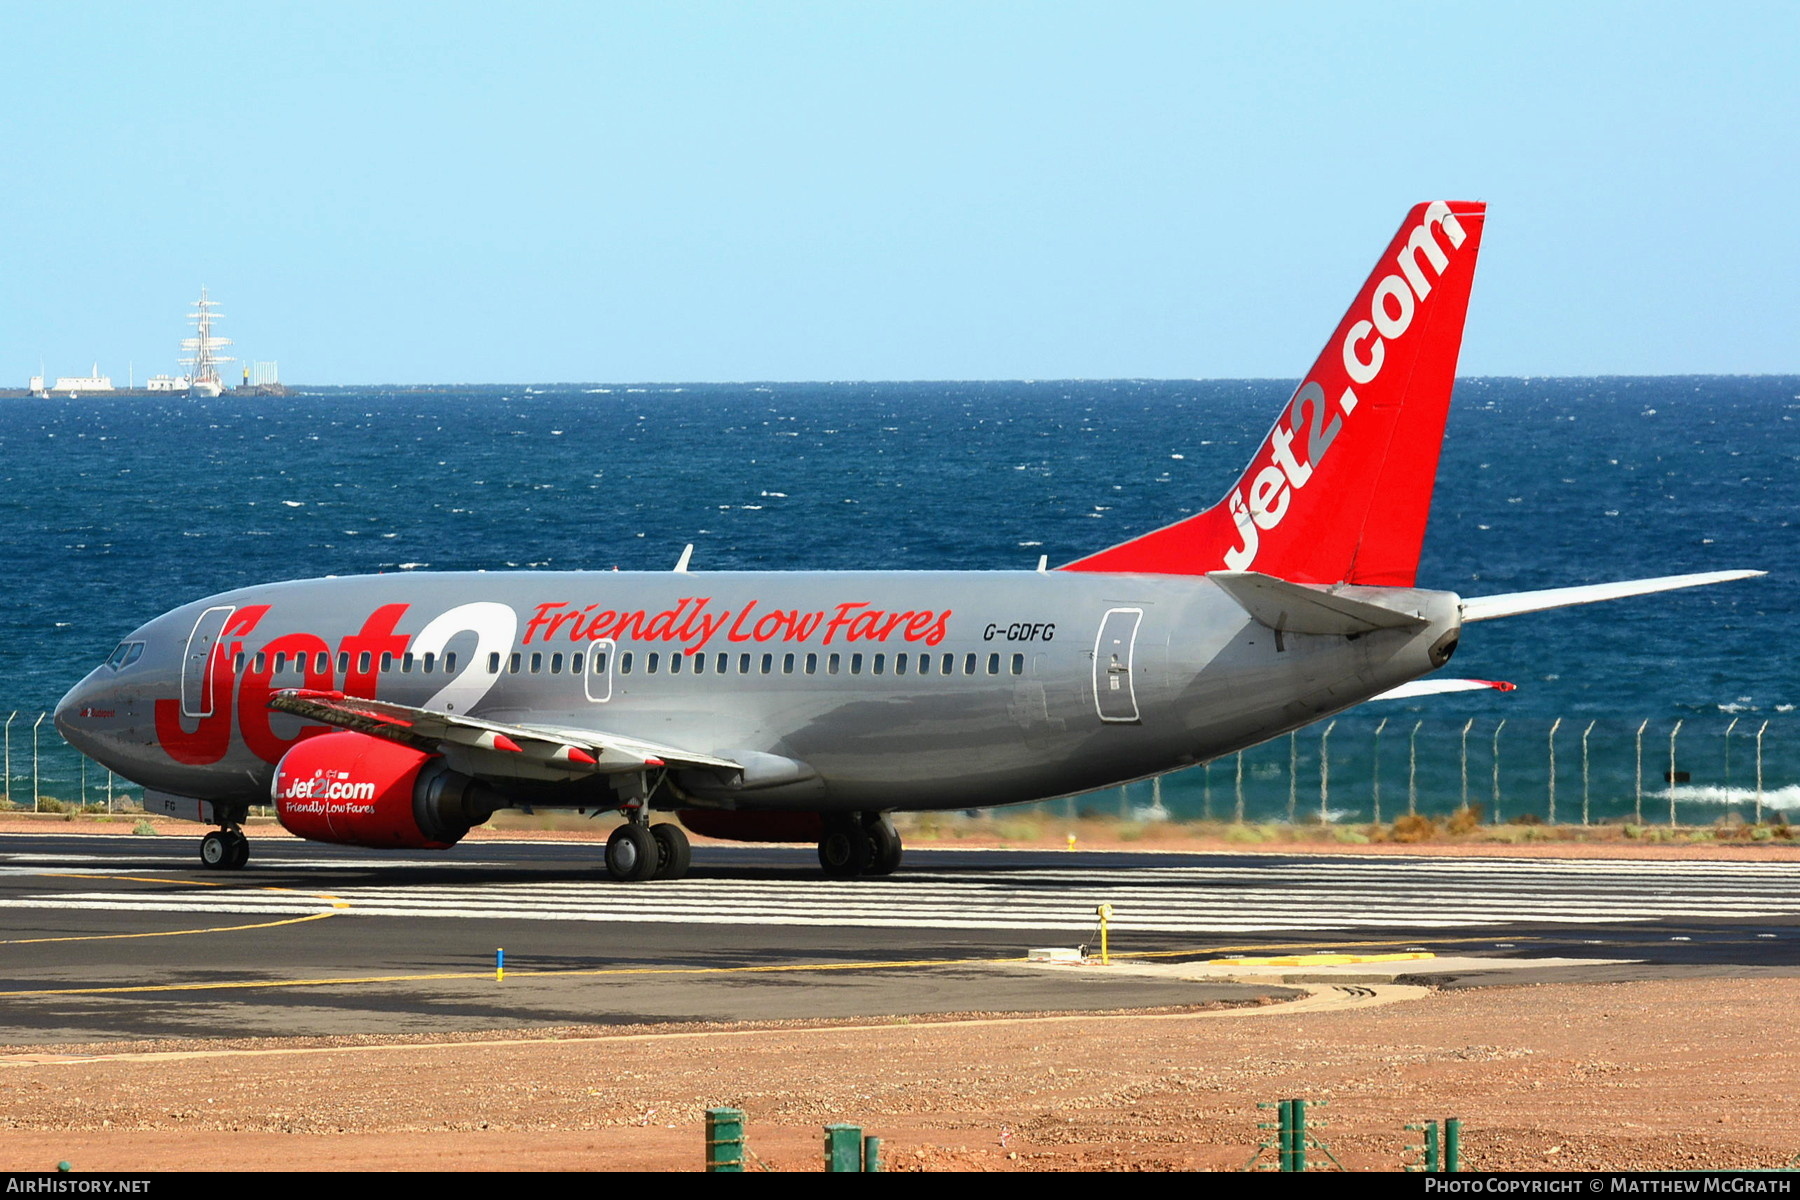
<point>787,664</point>
<point>650,661</point>
<point>256,664</point>
<point>321,662</point>
<point>993,664</point>
<point>556,664</point>
<point>856,664</point>
<point>768,663</point>
<point>1018,664</point>
<point>387,662</point>
<point>625,663</point>
<point>575,664</point>
<point>449,664</point>
<point>494,662</point>
<point>832,663</point>
<point>674,664</point>
<point>969,664</point>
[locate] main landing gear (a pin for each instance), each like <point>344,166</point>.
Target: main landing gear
<point>224,850</point>
<point>638,850</point>
<point>859,844</point>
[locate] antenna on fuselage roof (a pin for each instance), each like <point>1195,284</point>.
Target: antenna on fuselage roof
<point>681,567</point>
<point>1043,564</point>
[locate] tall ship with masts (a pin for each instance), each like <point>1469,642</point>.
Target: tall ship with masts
<point>202,350</point>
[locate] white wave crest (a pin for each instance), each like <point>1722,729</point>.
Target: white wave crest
<point>1786,796</point>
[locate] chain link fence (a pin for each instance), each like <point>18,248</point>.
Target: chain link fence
<point>1351,770</point>
<point>1575,771</point>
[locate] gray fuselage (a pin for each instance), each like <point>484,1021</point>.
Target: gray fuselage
<point>894,691</point>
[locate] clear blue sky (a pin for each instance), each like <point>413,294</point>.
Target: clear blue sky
<point>454,192</point>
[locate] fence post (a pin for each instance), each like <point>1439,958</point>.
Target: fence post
<point>1728,729</point>
<point>1759,791</point>
<point>34,761</point>
<point>1293,775</point>
<point>1240,787</point>
<point>1672,734</point>
<point>1377,780</point>
<point>1497,729</point>
<point>1554,725</point>
<point>1412,770</point>
<point>1640,771</point>
<point>6,785</point>
<point>1584,771</point>
<point>1470,724</point>
<point>1206,796</point>
<point>1325,772</point>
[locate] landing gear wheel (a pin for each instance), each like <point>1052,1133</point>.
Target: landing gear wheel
<point>845,851</point>
<point>673,853</point>
<point>884,841</point>
<point>240,849</point>
<point>219,853</point>
<point>631,853</point>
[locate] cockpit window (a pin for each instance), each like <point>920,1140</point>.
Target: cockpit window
<point>124,654</point>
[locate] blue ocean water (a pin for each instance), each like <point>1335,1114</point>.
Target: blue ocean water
<point>117,510</point>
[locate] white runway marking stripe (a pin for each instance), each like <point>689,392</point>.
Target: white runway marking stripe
<point>1242,897</point>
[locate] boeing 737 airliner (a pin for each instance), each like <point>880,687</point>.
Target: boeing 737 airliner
<point>402,710</point>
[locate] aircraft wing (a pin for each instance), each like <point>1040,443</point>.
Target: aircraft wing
<point>492,747</point>
<point>1488,608</point>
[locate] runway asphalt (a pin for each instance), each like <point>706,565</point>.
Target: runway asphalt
<point>107,938</point>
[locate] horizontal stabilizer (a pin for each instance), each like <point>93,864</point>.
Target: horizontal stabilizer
<point>1297,608</point>
<point>1488,608</point>
<point>1437,687</point>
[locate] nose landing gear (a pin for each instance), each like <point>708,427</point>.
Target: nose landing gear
<point>224,850</point>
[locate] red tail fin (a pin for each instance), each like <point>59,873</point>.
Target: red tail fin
<point>1340,490</point>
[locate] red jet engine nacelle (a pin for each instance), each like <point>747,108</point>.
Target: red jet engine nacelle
<point>365,791</point>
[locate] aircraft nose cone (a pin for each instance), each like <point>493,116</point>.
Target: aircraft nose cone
<point>80,715</point>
